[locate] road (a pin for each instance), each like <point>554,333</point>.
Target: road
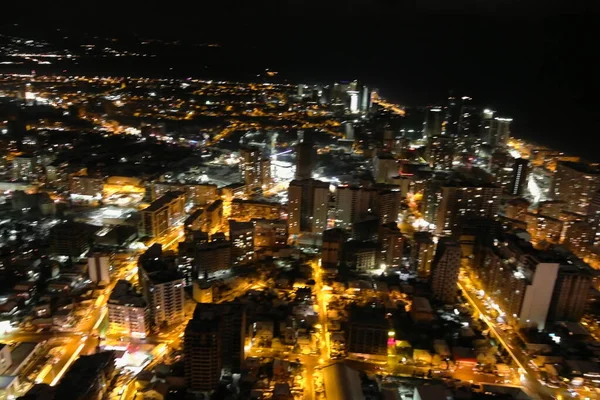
<point>529,378</point>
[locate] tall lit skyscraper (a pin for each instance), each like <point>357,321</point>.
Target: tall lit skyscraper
<point>519,176</point>
<point>254,168</point>
<point>308,206</point>
<point>440,152</point>
<point>434,118</point>
<point>450,126</point>
<point>353,101</point>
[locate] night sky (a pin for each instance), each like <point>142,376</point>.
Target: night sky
<point>537,65</point>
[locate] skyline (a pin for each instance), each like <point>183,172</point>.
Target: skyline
<point>536,69</point>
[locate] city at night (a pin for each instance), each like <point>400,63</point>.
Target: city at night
<point>336,201</point>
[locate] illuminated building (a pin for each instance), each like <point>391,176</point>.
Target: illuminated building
<point>200,258</point>
<point>203,291</point>
<point>128,312</point>
<point>361,255</point>
<point>465,198</point>
<point>255,169</point>
<point>579,237</point>
<point>368,331</point>
<point>241,235</point>
<point>352,203</point>
<point>433,122</point>
<point>422,252</point>
<point>444,271</point>
<point>386,204</point>
<point>5,358</point>
<point>543,228</point>
<point>391,245</point>
<point>24,168</point>
<point>516,208</point>
<point>162,286</point>
<point>576,184</point>
<point>202,348</point>
<point>366,99</point>
<point>385,167</point>
<point>196,221</point>
<point>306,157</point>
<point>440,152</point>
<point>214,216</point>
<point>452,115</point>
<point>199,195</point>
<point>534,287</point>
<point>163,214</point>
<point>353,101</point>
<point>270,234</point>
<point>487,118</point>
<point>86,186</point>
<point>333,246</point>
<point>245,210</point>
<point>308,206</point>
<point>69,239</point>
<point>500,131</point>
<point>99,267</point>
<point>519,176</point>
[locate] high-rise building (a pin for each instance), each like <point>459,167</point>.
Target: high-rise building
<point>69,239</point>
<point>365,99</point>
<point>254,168</point>
<point>571,292</point>
<point>444,270</point>
<point>391,244</point>
<point>519,176</point>
<point>306,157</point>
<point>452,115</point>
<point>385,167</point>
<point>576,184</point>
<point>440,152</point>
<point>466,198</point>
<point>352,202</point>
<point>24,168</point>
<point>231,318</point>
<point>162,286</point>
<point>386,204</point>
<point>422,253</point>
<point>500,131</point>
<point>163,214</point>
<point>485,128</point>
<point>197,258</point>
<point>89,377</point>
<point>434,118</point>
<point>354,106</point>
<point>535,287</point>
<point>333,247</point>
<point>241,235</point>
<point>270,234</point>
<point>368,331</point>
<point>99,267</point>
<point>128,312</point>
<point>202,348</point>
<point>308,206</point>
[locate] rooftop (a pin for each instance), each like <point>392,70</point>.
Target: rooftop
<point>163,201</point>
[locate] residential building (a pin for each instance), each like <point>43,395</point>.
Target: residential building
<point>308,206</point>
<point>444,270</point>
<point>128,312</point>
<point>241,235</point>
<point>575,184</point>
<point>99,267</point>
<point>162,287</point>
<point>163,214</point>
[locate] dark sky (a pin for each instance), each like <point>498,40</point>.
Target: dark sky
<point>533,60</point>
